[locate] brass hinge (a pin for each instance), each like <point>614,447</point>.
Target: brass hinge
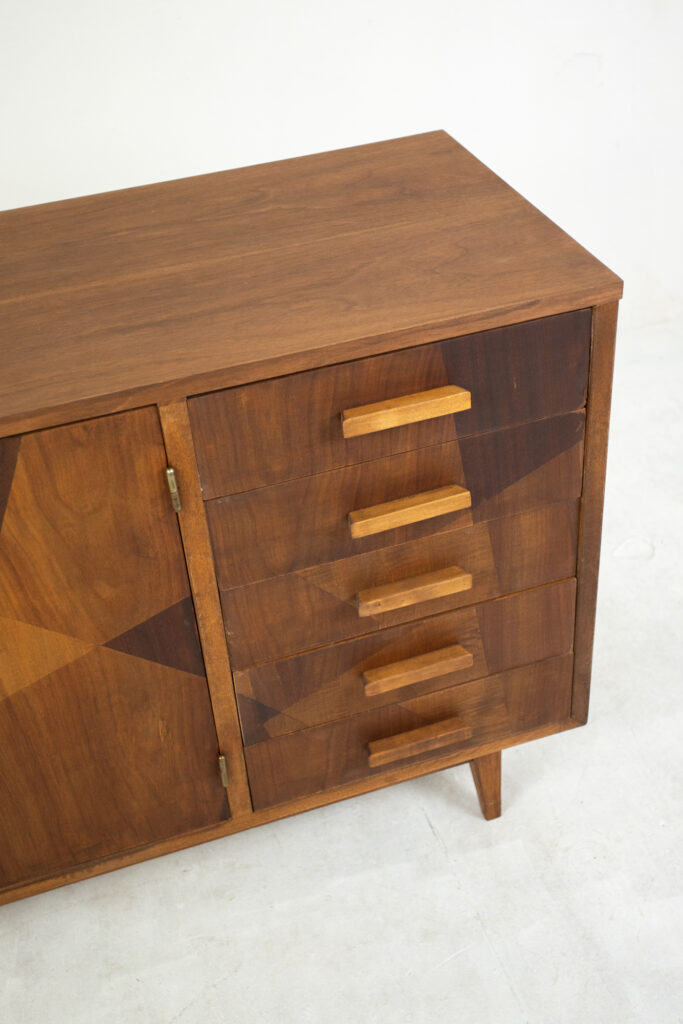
<point>173,489</point>
<point>223,769</point>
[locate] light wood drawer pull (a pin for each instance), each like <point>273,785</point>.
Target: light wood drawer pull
<point>413,590</point>
<point>416,670</point>
<point>395,412</point>
<point>413,509</point>
<point>417,741</point>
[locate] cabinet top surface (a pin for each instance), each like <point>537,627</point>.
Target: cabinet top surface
<point>151,293</point>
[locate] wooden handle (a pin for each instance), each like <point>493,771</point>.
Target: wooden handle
<point>416,670</point>
<point>395,412</point>
<point>426,587</point>
<point>417,741</point>
<point>413,509</point>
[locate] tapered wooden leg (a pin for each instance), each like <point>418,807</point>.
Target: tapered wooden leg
<point>486,775</point>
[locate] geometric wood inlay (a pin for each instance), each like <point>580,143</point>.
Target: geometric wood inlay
<point>27,653</point>
<point>327,684</point>
<point>507,471</point>
<point>87,520</point>
<point>101,750</point>
<point>316,605</point>
<point>157,639</point>
<point>106,754</point>
<point>275,430</point>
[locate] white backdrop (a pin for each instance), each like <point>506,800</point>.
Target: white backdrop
<point>405,907</point>
<point>577,105</point>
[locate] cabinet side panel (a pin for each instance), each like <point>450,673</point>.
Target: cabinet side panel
<point>592,499</point>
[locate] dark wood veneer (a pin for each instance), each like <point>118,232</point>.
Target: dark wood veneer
<point>316,606</point>
<point>305,521</point>
<point>327,684</point>
<point>291,427</point>
<point>233,328</point>
<point>107,741</point>
<point>302,763</point>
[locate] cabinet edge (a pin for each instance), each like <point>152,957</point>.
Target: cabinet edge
<point>601,367</point>
<point>214,379</point>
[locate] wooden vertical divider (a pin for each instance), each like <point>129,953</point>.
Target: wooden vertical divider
<point>175,425</point>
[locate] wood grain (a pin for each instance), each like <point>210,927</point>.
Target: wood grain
<point>89,546</point>
<point>486,774</point>
<point>162,226</point>
<point>281,529</point>
<point>401,243</point>
<point>321,759</point>
<point>412,770</point>
<point>397,412</point>
<point>415,670</point>
<point>590,528</point>
<point>422,740</point>
<point>9,451</point>
<point>195,535</point>
<point>344,272</point>
<point>277,430</point>
<point>415,508</point>
<point>103,755</point>
<point>107,741</point>
<point>326,685</point>
<point>317,606</point>
<point>429,586</point>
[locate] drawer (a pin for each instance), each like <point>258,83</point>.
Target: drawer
<point>279,617</point>
<point>453,722</point>
<point>333,682</point>
<point>291,427</point>
<point>281,529</point>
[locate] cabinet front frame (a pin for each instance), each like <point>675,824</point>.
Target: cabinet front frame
<point>179,446</point>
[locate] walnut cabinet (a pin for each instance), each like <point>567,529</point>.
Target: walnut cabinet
<point>301,484</point>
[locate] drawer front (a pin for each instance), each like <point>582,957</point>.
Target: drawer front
<point>457,721</point>
<point>329,684</point>
<point>282,529</point>
<point>280,617</point>
<point>291,427</point>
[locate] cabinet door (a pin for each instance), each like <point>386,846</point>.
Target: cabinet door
<point>107,741</point>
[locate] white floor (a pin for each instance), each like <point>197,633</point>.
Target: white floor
<point>404,906</point>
